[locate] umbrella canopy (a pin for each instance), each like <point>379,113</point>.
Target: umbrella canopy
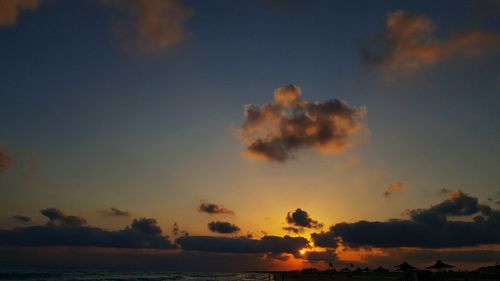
<point>440,265</point>
<point>345,269</point>
<point>381,269</point>
<point>405,267</point>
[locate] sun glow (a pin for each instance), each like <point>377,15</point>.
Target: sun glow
<point>302,252</point>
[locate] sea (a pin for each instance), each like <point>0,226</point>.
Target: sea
<point>109,275</point>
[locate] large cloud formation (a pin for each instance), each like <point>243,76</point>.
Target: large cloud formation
<point>409,44</point>
<point>152,25</point>
<point>276,130</point>
<point>63,230</point>
<point>267,244</point>
<point>214,209</point>
<point>5,159</point>
<point>324,240</point>
<point>435,227</point>
<point>10,10</point>
<point>223,227</point>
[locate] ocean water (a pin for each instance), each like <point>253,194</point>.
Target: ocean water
<point>107,275</point>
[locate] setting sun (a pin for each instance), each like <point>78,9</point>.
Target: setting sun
<point>303,251</point>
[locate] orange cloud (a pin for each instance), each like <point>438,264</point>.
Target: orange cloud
<point>152,25</point>
<point>275,131</point>
<point>394,187</point>
<point>409,44</point>
<point>10,10</point>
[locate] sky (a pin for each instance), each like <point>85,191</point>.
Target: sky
<point>259,135</point>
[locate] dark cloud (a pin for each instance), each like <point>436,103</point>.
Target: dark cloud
<point>394,187</point>
<point>145,225</point>
<point>114,212</point>
<point>410,44</point>
<point>295,230</point>
<point>317,256</point>
<point>10,10</point>
<point>65,230</point>
<point>214,209</point>
<point>150,26</point>
<point>458,204</point>
<point>222,227</point>
<point>21,218</point>
<point>275,131</point>
<point>57,217</point>
<point>5,159</point>
<point>301,218</point>
<point>127,259</point>
<point>267,244</point>
<point>428,228</point>
<point>324,240</point>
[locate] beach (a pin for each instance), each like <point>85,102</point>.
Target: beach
<point>386,276</point>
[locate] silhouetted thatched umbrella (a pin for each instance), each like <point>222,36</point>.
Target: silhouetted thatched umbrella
<point>345,269</point>
<point>405,267</point>
<point>381,269</point>
<point>440,265</point>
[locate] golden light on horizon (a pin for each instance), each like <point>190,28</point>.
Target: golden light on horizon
<point>302,251</point>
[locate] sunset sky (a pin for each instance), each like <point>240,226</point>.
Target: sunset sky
<point>271,134</point>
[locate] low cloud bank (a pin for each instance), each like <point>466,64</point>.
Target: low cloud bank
<point>68,230</point>
<point>434,227</point>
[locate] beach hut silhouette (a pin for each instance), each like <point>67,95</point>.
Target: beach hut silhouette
<point>405,267</point>
<point>440,266</point>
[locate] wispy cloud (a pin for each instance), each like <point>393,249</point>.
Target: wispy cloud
<point>10,10</point>
<point>275,131</point>
<point>394,187</point>
<point>410,44</point>
<point>58,217</point>
<point>150,26</point>
<point>21,218</point>
<point>114,212</point>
